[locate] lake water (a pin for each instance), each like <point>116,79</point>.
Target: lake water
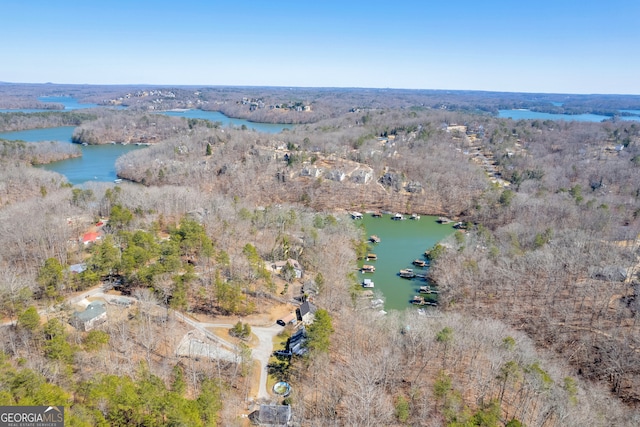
<point>98,161</point>
<point>532,115</point>
<point>528,114</point>
<point>96,164</point>
<point>68,102</point>
<point>401,242</point>
<point>215,116</point>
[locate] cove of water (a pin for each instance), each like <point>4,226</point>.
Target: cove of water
<point>215,116</point>
<point>401,242</point>
<point>96,164</point>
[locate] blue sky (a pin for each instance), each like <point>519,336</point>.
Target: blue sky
<point>562,46</point>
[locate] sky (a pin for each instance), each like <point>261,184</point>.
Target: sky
<point>540,46</point>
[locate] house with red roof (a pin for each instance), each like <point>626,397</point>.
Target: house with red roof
<point>90,237</point>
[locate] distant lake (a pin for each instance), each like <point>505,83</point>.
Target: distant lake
<point>524,114</point>
<point>532,115</point>
<point>401,242</point>
<point>69,103</point>
<point>215,116</point>
<point>96,164</point>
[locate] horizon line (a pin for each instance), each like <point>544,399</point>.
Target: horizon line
<point>318,87</point>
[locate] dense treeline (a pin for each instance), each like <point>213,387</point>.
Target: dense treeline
<point>21,121</point>
<point>124,127</point>
<point>37,153</point>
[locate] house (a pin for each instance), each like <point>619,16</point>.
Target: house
<point>361,176</point>
<point>310,288</point>
<point>92,316</point>
<point>272,416</point>
<point>295,344</point>
<point>335,175</point>
<point>311,171</point>
<point>297,268</point>
<point>90,237</point>
<point>78,268</point>
<point>306,312</point>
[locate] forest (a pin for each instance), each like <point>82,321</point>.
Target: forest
<point>536,321</point>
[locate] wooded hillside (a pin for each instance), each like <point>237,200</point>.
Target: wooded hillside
<point>537,317</point>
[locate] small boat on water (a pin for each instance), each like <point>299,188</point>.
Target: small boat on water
<point>372,257</point>
<point>374,238</point>
<point>415,216</point>
<point>377,214</point>
<point>367,283</point>
<point>443,220</point>
<point>419,263</point>
<point>397,217</point>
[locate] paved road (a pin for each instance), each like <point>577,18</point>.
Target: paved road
<point>261,353</point>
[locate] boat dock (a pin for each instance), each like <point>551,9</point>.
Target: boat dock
<point>407,273</point>
<point>427,290</point>
<point>419,300</point>
<point>366,268</point>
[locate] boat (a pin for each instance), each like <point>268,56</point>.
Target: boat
<point>368,268</point>
<point>375,239</point>
<point>415,216</point>
<point>377,214</point>
<point>460,225</point>
<point>407,273</point>
<point>443,220</point>
<point>419,263</point>
<point>425,289</point>
<point>372,257</point>
<point>117,180</point>
<point>367,283</point>
<point>356,215</point>
<point>397,217</point>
